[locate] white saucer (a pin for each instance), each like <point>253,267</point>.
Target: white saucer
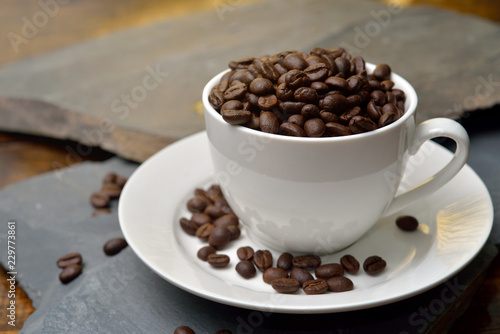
<point>455,224</point>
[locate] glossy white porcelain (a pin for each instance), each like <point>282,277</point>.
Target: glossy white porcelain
<point>320,195</point>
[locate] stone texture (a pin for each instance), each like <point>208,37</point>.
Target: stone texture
<point>138,89</point>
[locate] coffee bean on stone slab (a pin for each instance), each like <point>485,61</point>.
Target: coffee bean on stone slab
<point>70,272</point>
<point>99,199</point>
<point>245,253</point>
<point>407,223</point>
<point>204,252</point>
<point>112,190</point>
<point>285,261</point>
<point>188,226</point>
<point>307,262</point>
<point>183,330</point>
<point>218,260</point>
<point>374,265</point>
<point>69,259</point>
<point>285,285</point>
<point>219,237</point>
<point>109,178</point>
<point>272,273</point>
<point>350,264</point>
<point>301,275</point>
<point>328,270</point>
<point>263,259</point>
<point>339,284</point>
<point>114,246</point>
<point>246,269</point>
<point>315,287</point>
<point>100,211</point>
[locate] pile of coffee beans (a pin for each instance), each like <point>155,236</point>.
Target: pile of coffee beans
<point>112,186</point>
<point>213,221</point>
<point>322,93</point>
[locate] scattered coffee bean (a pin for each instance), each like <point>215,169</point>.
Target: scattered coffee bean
<point>272,273</point>
<point>326,271</point>
<point>407,223</point>
<point>100,211</point>
<point>301,275</point>
<point>205,251</point>
<point>69,259</point>
<point>99,199</point>
<point>200,219</point>
<point>285,285</point>
<point>70,272</point>
<point>350,264</point>
<point>234,232</point>
<point>188,226</point>
<point>204,231</point>
<point>197,204</point>
<point>285,261</point>
<point>114,246</point>
<point>307,262</point>
<point>219,237</point>
<point>315,287</point>
<point>226,220</point>
<point>263,259</point>
<point>374,265</point>
<point>246,269</point>
<point>245,253</point>
<point>218,260</point>
<point>183,330</point>
<point>112,185</point>
<point>112,190</point>
<point>339,284</point>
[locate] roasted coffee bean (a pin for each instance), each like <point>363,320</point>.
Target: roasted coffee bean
<point>216,98</point>
<point>336,104</point>
<point>294,61</point>
<point>267,102</point>
<point>218,260</point>
<point>387,84</point>
<point>374,265</point>
<point>310,111</point>
<point>339,284</point>
<point>219,237</point>
<point>99,199</point>
<point>100,211</point>
<point>232,105</point>
<point>204,252</point>
<point>389,108</point>
<point>261,86</point>
<point>281,70</point>
<point>291,107</point>
<point>114,246</point>
<point>110,178</point>
<point>307,262</point>
<point>253,123</point>
<point>246,269</point>
<point>242,63</point>
<point>226,220</point>
<point>305,94</point>
<point>70,272</point>
<point>317,72</point>
<point>359,64</point>
<point>373,111</point>
<point>290,129</point>
<point>285,261</point>
<point>243,75</point>
<point>69,259</point>
<point>272,273</point>
<point>188,226</point>
<point>337,83</point>
<point>360,124</point>
<point>354,100</point>
<point>327,116</point>
<point>235,92</point>
<point>301,275</point>
<point>314,127</point>
<point>329,270</point>
<point>296,79</point>
<point>387,119</point>
<point>353,84</point>
<point>391,99</point>
<point>269,123</point>
<point>245,253</point>
<point>343,65</point>
<point>283,93</point>
<point>311,60</point>
<point>285,285</point>
<point>183,330</point>
<point>382,72</point>
<point>337,129</point>
<point>266,69</point>
<point>234,232</point>
<point>204,231</point>
<point>320,87</point>
<point>350,264</point>
<point>297,119</point>
<point>399,94</point>
<point>197,203</point>
<point>213,211</point>
<point>348,115</point>
<point>200,219</point>
<point>407,223</point>
<point>263,259</point>
<point>378,97</point>
<point>236,117</point>
<point>315,287</point>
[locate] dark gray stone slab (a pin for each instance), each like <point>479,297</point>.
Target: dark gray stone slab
<point>136,90</point>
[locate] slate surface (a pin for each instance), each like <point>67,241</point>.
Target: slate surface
<point>136,90</point>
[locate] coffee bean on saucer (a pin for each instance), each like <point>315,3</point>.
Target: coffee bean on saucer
<point>227,220</point>
<point>70,272</point>
<point>183,330</point>
<point>245,253</point>
<point>307,262</point>
<point>200,219</point>
<point>285,261</point>
<point>315,287</point>
<point>301,275</point>
<point>273,273</point>
<point>285,285</point>
<point>339,284</point>
<point>328,270</point>
<point>407,223</point>
<point>263,259</point>
<point>188,226</point>
<point>114,246</point>
<point>213,211</point>
<point>219,237</point>
<point>204,252</point>
<point>374,265</point>
<point>218,260</point>
<point>234,232</point>
<point>197,204</point>
<point>69,259</point>
<point>246,269</point>
<point>350,264</point>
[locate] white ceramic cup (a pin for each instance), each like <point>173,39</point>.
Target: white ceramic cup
<point>320,195</point>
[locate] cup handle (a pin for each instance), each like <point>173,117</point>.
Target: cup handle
<point>436,127</point>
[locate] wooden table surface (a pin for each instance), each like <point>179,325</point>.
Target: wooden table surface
<point>23,156</point>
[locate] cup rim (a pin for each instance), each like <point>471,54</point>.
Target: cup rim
<point>399,82</point>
